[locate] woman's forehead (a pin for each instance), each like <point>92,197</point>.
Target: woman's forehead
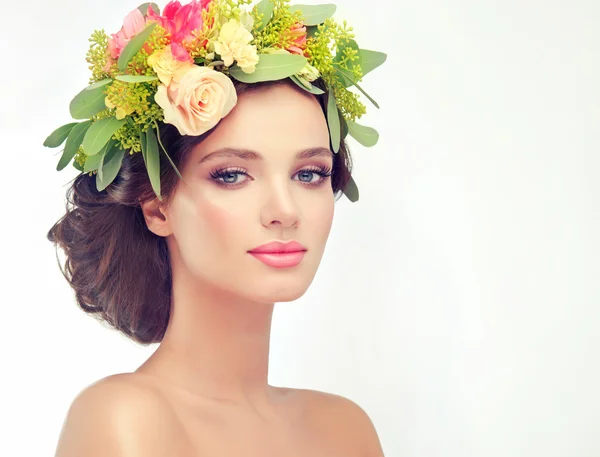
<point>275,118</point>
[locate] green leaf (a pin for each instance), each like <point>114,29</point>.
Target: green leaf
<point>351,190</point>
<point>87,103</point>
<point>136,78</point>
<point>143,142</point>
<point>102,83</point>
<point>264,7</point>
<point>109,165</point>
<point>371,60</point>
<point>311,31</point>
<point>153,161</point>
<point>73,142</point>
<point>344,127</point>
<point>144,8</point>
<point>350,64</point>
<point>315,14</point>
<point>100,133</point>
<point>367,136</point>
<point>313,89</point>
<point>271,67</point>
<point>333,120</point>
<point>77,166</point>
<point>102,154</point>
<point>92,163</point>
<point>165,151</point>
<point>349,78</point>
<point>58,137</point>
<point>133,47</point>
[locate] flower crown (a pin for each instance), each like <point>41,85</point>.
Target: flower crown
<point>176,68</point>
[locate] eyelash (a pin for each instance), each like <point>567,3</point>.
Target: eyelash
<point>323,172</point>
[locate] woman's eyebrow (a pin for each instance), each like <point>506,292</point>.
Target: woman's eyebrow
<point>248,154</point>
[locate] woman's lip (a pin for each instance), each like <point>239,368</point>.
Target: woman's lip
<point>280,259</point>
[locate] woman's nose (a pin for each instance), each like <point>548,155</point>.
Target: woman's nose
<point>280,206</point>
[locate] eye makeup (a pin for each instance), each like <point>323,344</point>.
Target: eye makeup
<point>219,175</point>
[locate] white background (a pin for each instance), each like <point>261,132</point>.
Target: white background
<point>457,301</point>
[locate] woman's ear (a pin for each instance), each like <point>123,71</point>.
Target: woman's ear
<point>155,214</point>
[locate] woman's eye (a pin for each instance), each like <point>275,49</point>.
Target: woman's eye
<point>230,177</point>
<point>227,177</point>
<point>308,175</point>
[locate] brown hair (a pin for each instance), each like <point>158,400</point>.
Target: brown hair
<point>108,245</point>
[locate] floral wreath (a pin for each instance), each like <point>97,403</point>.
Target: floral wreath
<point>176,68</point>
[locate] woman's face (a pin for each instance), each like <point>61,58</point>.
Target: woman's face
<point>232,205</point>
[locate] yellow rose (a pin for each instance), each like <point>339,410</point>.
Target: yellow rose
<point>164,64</point>
<point>196,99</point>
<point>233,43</point>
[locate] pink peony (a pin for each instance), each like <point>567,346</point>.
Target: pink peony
<point>298,33</point>
<point>133,24</point>
<point>179,22</point>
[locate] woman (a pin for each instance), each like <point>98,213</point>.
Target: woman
<point>194,262</point>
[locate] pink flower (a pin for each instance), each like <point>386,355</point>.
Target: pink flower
<point>133,24</point>
<point>298,33</point>
<point>179,22</point>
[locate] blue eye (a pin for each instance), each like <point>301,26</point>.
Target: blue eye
<point>227,177</point>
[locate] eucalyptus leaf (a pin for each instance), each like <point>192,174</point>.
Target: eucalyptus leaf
<point>74,140</point>
<point>105,155</point>
<point>315,14</point>
<point>101,155</point>
<point>333,120</point>
<point>312,89</point>
<point>100,133</point>
<point>264,7</point>
<point>87,103</point>
<point>110,166</point>
<point>165,151</point>
<point>351,44</point>
<point>351,190</point>
<point>153,161</point>
<point>144,8</point>
<point>271,67</point>
<point>311,31</point>
<point>58,137</point>
<point>92,163</point>
<point>344,127</point>
<point>77,166</point>
<point>136,78</point>
<point>133,47</point>
<point>143,143</point>
<point>102,83</point>
<point>349,78</point>
<point>367,136</point>
<point>371,60</point>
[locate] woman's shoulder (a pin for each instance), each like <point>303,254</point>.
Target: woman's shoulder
<point>121,414</point>
<point>346,420</point>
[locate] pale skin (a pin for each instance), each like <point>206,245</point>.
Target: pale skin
<point>204,391</point>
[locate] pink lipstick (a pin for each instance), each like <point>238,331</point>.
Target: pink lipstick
<point>280,255</point>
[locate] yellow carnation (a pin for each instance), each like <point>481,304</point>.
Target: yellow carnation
<point>164,64</point>
<point>233,43</point>
<point>307,75</point>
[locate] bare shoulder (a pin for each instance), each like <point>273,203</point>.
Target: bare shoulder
<point>348,421</point>
<point>119,415</point>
